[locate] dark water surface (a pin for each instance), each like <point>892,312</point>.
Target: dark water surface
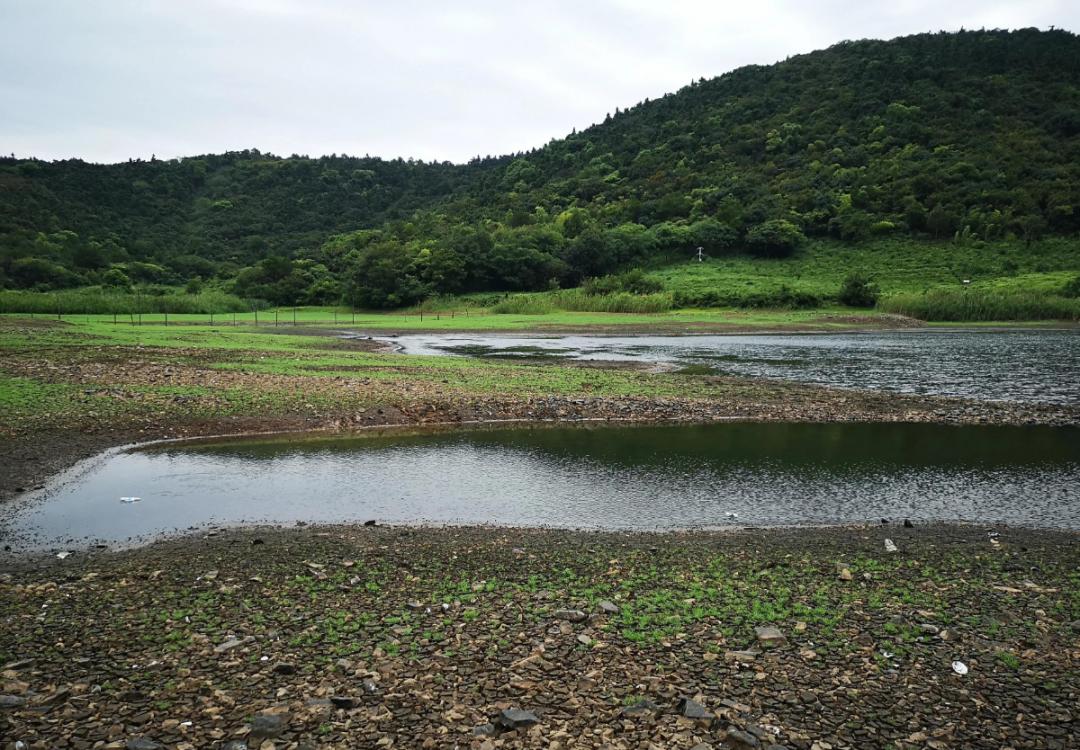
<point>657,477</point>
<point>1030,366</point>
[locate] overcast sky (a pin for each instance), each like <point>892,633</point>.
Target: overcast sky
<point>106,80</point>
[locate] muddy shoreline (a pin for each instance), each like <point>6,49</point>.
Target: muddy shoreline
<point>354,636</point>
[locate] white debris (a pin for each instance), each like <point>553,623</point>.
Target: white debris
<point>130,499</point>
<point>63,555</point>
<point>890,546</point>
<point>960,668</point>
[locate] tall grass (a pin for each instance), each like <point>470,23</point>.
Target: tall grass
<point>980,305</point>
<point>577,300</point>
<point>98,301</point>
<point>524,304</point>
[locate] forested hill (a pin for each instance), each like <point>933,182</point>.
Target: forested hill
<point>975,134</point>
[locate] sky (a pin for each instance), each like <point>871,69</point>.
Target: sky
<point>109,80</point>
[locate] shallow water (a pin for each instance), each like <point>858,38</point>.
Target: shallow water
<point>1018,365</point>
<point>656,477</point>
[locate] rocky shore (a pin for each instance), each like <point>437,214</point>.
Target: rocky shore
<point>348,637</point>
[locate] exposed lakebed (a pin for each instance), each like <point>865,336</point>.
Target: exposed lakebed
<point>1026,366</point>
<point>633,478</point>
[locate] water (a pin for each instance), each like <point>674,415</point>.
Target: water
<point>658,477</point>
<point>1019,365</point>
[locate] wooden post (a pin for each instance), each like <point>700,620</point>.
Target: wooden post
<point>166,318</point>
<point>275,317</point>
<point>294,316</point>
<point>256,316</point>
<point>211,317</point>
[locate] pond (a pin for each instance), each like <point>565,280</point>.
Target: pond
<point>1031,366</point>
<point>609,477</point>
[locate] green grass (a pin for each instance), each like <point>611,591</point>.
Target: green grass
<point>99,300</point>
<point>895,265</point>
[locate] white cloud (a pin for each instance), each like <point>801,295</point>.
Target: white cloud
<point>113,79</point>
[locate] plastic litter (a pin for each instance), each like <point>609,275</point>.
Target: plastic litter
<point>63,555</point>
<point>130,499</point>
<point>960,668</point>
<point>890,546</point>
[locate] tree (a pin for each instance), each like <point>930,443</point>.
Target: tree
<point>774,238</point>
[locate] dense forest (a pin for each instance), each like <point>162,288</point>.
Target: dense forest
<point>969,137</point>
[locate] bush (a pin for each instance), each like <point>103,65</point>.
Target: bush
<point>524,304</point>
<point>1072,288</point>
<point>858,291</point>
<point>634,281</point>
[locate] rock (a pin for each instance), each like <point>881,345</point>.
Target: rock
<point>11,701</point>
<point>232,643</point>
<point>268,726</point>
<point>516,718</point>
<point>608,608</point>
<point>369,686</point>
<point>929,629</point>
<point>570,615</point>
<point>343,702</point>
<point>741,656</point>
<point>372,522</point>
<point>768,635</point>
<point>844,574</point>
<point>691,709</point>
<point>284,668</point>
<point>702,746</point>
<point>737,739</point>
<point>890,546</point>
<point>584,640</point>
<point>414,606</point>
<point>485,730</point>
<point>643,706</point>
<point>141,743</point>
<point>15,666</point>
<point>908,524</point>
<point>235,745</point>
<point>1075,626</point>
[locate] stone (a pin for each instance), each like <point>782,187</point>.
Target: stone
<point>843,573</point>
<point>768,635</point>
<point>235,745</point>
<point>284,668</point>
<point>608,608</point>
<point>584,640</point>
<point>343,702</point>
<point>741,656</point>
<point>11,701</point>
<point>141,743</point>
<point>929,629</point>
<point>908,524</point>
<point>232,643</point>
<point>414,606</point>
<point>643,706</point>
<point>15,666</point>
<point>570,615</point>
<point>267,726</point>
<point>485,730</point>
<point>691,709</point>
<point>516,718</point>
<point>740,740</point>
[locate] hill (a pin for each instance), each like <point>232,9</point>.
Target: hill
<point>968,139</point>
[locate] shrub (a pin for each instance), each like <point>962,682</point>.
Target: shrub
<point>858,291</point>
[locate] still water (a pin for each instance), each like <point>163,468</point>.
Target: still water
<point>656,477</point>
<point>1018,365</point>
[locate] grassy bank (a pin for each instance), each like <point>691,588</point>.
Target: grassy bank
<point>104,301</point>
